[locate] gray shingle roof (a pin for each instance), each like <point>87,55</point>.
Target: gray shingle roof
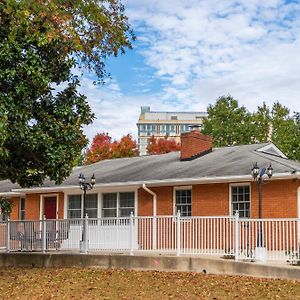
<point>226,161</point>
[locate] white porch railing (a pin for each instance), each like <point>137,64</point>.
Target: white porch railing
<point>250,239</point>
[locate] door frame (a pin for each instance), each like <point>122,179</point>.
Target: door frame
<point>42,204</point>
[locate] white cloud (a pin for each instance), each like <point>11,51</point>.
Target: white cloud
<point>205,49</point>
<point>200,50</point>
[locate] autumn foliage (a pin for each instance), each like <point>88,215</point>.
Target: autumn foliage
<point>162,145</point>
<point>104,148</point>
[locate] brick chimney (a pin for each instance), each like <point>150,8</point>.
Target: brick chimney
<point>195,144</point>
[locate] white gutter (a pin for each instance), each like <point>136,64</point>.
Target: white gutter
<point>154,198</point>
<point>11,194</point>
<point>177,181</point>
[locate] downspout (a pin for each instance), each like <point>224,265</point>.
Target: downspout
<point>154,198</point>
<point>154,214</point>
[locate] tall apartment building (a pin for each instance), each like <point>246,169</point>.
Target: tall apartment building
<point>160,124</point>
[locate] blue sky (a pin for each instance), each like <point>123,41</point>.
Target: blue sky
<point>188,53</point>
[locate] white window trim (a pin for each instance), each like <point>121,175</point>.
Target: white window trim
<point>99,198</point>
<point>118,201</point>
<point>66,202</point>
<point>230,196</point>
<point>178,188</point>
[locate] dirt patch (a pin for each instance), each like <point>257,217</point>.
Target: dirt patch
<point>77,283</point>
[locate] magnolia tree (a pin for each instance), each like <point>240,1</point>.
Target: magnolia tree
<point>161,145</point>
<point>103,147</point>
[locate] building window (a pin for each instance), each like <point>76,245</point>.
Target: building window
<point>183,202</point>
<point>22,208</point>
<point>240,200</point>
<point>126,204</point>
<point>91,206</point>
<point>109,205</point>
<point>75,206</point>
<point>173,117</point>
<point>170,129</point>
<point>118,204</point>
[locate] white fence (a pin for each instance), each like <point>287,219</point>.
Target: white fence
<point>250,239</point>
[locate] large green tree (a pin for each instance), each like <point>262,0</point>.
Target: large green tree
<point>229,124</point>
<point>285,131</point>
<point>42,42</point>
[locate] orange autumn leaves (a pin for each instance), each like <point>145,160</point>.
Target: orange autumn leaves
<point>162,145</point>
<point>104,147</point>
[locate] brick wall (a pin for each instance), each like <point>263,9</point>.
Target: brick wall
<point>279,199</point>
<point>15,211</point>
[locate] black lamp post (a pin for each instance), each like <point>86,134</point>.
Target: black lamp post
<point>257,174</point>
<point>85,186</point>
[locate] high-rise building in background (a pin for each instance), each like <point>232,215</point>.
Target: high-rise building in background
<point>160,124</point>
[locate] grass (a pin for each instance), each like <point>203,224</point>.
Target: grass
<point>77,283</point>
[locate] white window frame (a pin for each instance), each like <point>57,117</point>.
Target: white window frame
<point>178,188</point>
<point>66,208</point>
<point>230,196</point>
<point>118,202</point>
<point>99,193</point>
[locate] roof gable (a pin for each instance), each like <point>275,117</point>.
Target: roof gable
<point>272,150</point>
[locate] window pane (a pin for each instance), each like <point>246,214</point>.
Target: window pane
<point>125,212</point>
<point>109,213</point>
<point>240,200</point>
<point>74,201</point>
<point>184,202</point>
<point>109,200</point>
<point>127,199</point>
<point>76,213</point>
<point>91,201</point>
<point>92,213</point>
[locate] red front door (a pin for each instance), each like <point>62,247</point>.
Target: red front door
<point>50,207</point>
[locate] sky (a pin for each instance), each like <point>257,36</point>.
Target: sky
<point>190,52</point>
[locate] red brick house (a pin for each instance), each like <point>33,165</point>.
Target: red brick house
<point>198,181</point>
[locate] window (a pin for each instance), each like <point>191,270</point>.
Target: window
<point>22,208</point>
<point>109,205</point>
<point>173,117</point>
<point>240,200</point>
<point>170,129</point>
<point>75,206</point>
<point>126,204</point>
<point>117,204</point>
<point>91,206</point>
<point>183,202</point>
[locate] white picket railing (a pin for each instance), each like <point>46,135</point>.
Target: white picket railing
<point>245,239</point>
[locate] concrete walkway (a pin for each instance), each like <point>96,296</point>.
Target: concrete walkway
<point>150,262</point>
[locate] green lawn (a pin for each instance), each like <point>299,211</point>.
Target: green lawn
<point>77,283</point>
